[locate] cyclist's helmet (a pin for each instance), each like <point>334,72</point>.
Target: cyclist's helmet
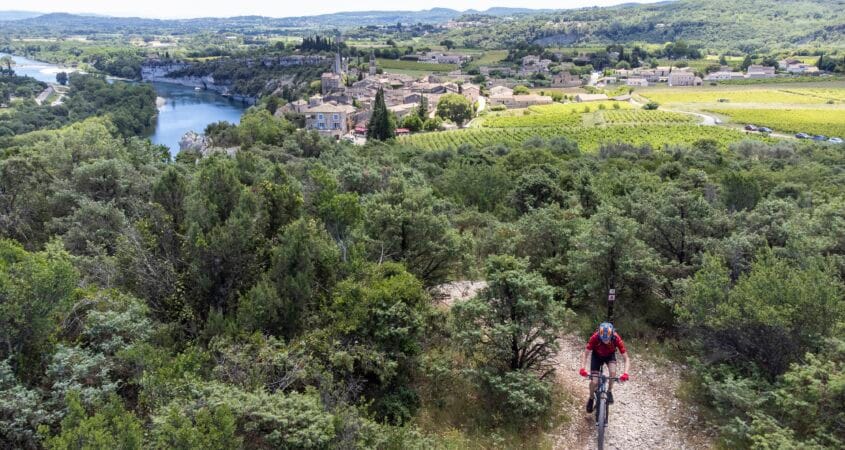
<point>606,332</point>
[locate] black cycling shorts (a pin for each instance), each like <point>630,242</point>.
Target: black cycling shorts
<point>597,361</point>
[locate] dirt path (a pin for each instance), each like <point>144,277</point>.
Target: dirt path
<point>646,414</point>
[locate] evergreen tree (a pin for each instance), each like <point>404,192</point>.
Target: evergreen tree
<point>422,110</point>
<point>746,63</point>
<point>381,126</point>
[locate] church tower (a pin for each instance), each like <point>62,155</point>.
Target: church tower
<point>338,63</point>
<point>372,63</point>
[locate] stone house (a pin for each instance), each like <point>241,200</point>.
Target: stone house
<point>802,68</point>
<point>640,82</point>
<point>565,79</point>
<point>330,82</point>
<point>581,98</point>
<point>500,90</point>
<point>471,92</point>
<point>723,76</point>
<point>758,71</point>
<point>684,78</point>
<point>297,106</point>
<point>520,101</point>
<point>329,119</point>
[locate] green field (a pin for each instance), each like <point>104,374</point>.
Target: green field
<point>691,95</point>
<point>830,122</point>
<point>589,138</point>
<point>489,58</point>
<point>805,79</point>
<point>837,95</point>
<point>393,65</point>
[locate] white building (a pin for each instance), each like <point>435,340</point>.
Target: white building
<point>802,68</point>
<point>683,78</point>
<point>724,76</point>
<point>758,71</point>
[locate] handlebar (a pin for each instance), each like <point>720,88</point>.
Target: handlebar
<point>609,378</point>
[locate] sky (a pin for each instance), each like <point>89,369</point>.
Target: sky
<point>273,8</point>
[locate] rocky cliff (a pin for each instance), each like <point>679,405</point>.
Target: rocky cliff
<point>161,73</point>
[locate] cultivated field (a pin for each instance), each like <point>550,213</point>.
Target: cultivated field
<point>589,138</point>
<point>639,116</point>
<point>554,115</point>
<point>828,122</point>
<point>693,95</point>
<point>815,108</point>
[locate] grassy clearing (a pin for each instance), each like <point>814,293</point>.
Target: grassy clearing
<point>714,59</point>
<point>393,65</point>
<point>830,122</point>
<point>489,58</point>
<point>697,64</point>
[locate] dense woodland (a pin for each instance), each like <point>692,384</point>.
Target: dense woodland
<point>131,107</point>
<point>279,298</point>
<point>284,295</point>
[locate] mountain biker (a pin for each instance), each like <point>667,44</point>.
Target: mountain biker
<point>603,345</point>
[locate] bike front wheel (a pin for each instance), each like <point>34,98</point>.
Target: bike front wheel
<point>601,422</point>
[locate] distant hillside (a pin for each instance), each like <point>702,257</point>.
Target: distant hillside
<point>725,24</point>
<point>63,23</point>
<point>18,15</point>
<point>742,24</point>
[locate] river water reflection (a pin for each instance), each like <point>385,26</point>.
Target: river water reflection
<point>180,108</point>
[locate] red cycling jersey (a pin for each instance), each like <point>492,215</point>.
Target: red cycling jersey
<point>600,348</point>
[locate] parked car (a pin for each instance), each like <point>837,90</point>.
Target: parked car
<point>802,136</point>
<point>835,140</point>
<point>750,128</point>
<point>820,137</point>
<point>764,130</point>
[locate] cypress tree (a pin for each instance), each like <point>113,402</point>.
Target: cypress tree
<point>422,110</point>
<point>746,63</point>
<point>381,124</point>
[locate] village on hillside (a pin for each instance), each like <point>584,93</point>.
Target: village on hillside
<point>343,108</point>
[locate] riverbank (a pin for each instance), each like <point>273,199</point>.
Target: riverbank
<point>41,71</point>
<point>160,73</point>
<point>180,108</point>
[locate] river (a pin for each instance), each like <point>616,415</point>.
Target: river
<point>180,108</point>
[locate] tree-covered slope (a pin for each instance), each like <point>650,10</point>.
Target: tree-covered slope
<point>739,24</point>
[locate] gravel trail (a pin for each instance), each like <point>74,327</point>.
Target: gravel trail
<point>646,413</point>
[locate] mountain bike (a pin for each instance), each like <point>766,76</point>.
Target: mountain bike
<point>601,407</point>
